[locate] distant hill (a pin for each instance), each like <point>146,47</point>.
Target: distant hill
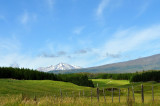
<point>145,63</point>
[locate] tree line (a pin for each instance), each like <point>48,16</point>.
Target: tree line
<point>81,79</point>
<point>30,74</point>
<point>151,75</point>
<point>116,76</point>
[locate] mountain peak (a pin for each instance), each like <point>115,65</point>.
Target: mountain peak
<point>59,66</point>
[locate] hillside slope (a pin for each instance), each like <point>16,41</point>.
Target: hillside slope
<point>145,63</point>
<point>38,87</point>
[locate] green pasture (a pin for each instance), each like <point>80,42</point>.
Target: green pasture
<point>48,87</point>
<point>38,87</point>
<point>109,83</point>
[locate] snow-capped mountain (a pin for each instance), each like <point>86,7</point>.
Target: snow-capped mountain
<point>14,65</point>
<point>60,66</point>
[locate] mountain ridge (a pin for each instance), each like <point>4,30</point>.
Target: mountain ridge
<point>140,64</point>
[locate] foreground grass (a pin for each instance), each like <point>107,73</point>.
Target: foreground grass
<point>17,100</point>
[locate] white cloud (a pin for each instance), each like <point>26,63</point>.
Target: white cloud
<point>9,44</point>
<point>2,17</point>
<point>126,44</point>
<point>78,30</point>
<point>9,47</point>
<point>10,53</point>
<point>132,39</point>
<point>27,17</point>
<point>50,3</point>
<point>103,4</point>
<point>143,8</point>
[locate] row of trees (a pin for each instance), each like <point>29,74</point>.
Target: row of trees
<point>28,74</point>
<point>79,79</point>
<point>117,76</point>
<point>151,75</point>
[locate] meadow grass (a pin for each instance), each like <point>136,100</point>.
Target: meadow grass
<point>110,83</point>
<point>37,87</point>
<point>47,93</point>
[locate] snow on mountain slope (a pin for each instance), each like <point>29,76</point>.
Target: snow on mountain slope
<point>60,66</point>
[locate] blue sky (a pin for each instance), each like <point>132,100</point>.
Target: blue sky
<point>39,33</point>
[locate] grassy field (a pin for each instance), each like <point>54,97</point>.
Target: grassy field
<point>37,87</point>
<point>46,92</point>
<point>111,83</point>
